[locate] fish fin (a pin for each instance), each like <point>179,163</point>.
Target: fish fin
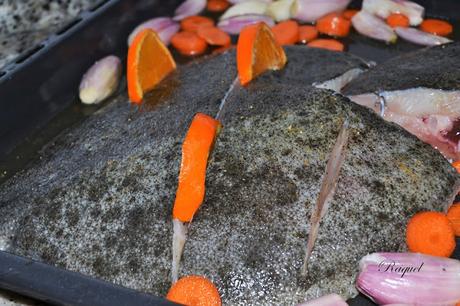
<point>179,238</point>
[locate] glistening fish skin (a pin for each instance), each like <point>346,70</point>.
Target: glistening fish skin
<point>436,67</point>
<point>410,278</point>
<point>100,200</point>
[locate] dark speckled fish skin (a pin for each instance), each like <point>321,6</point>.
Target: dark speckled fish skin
<point>100,200</point>
<point>435,67</point>
<point>306,66</point>
<point>263,181</point>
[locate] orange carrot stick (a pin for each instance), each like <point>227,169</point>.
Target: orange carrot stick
<point>193,23</point>
<point>397,20</point>
<point>195,152</point>
<point>329,44</point>
<point>333,25</point>
<point>194,291</point>
<point>286,32</point>
<point>189,43</point>
<point>307,33</point>
<point>430,233</point>
<point>436,27</point>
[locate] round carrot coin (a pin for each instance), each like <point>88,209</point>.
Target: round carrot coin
<point>456,165</point>
<point>333,24</point>
<point>329,44</point>
<point>189,43</point>
<point>436,27</point>
<point>214,36</point>
<point>430,233</point>
<point>194,291</point>
<point>149,61</point>
<point>307,33</point>
<point>397,20</point>
<point>193,23</point>
<point>286,32</point>
<point>217,5</point>
<point>257,51</point>
<point>348,14</point>
<point>454,217</point>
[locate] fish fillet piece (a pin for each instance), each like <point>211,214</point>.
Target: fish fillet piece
<point>420,91</point>
<point>100,199</point>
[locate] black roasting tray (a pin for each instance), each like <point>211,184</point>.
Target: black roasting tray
<point>39,98</point>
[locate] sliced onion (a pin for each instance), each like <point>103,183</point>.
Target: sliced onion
<point>421,38</point>
<point>246,8</point>
<point>189,8</point>
<point>373,27</point>
<point>312,10</point>
<point>383,9</point>
<point>165,27</point>
<point>235,24</point>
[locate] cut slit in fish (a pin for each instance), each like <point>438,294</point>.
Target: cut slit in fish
<point>433,115</point>
<point>179,238</point>
<point>339,82</point>
<point>328,186</point>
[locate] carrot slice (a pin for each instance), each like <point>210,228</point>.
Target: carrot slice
<point>286,32</point>
<point>307,33</point>
<point>189,43</point>
<point>454,217</point>
<point>330,44</point>
<point>257,51</point>
<point>195,151</point>
<point>436,27</point>
<point>194,291</point>
<point>348,14</point>
<point>193,23</point>
<point>456,165</point>
<point>397,20</point>
<point>214,36</point>
<point>217,5</point>
<point>149,61</point>
<point>430,233</point>
<point>333,25</point>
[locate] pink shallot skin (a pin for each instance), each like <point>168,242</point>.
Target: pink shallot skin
<point>327,300</point>
<point>409,278</point>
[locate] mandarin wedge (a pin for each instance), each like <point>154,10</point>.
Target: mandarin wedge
<point>257,51</point>
<point>149,62</point>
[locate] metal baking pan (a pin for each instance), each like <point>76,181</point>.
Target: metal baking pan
<point>39,99</point>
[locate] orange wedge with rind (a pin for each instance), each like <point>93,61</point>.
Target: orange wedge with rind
<point>149,62</point>
<point>257,51</point>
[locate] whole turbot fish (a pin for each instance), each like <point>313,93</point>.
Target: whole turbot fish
<point>100,199</point>
<point>420,91</point>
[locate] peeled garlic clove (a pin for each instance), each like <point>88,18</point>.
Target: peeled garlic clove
<point>280,10</point>
<point>312,10</point>
<point>373,27</point>
<point>409,278</point>
<point>327,300</point>
<point>245,8</point>
<point>101,80</point>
